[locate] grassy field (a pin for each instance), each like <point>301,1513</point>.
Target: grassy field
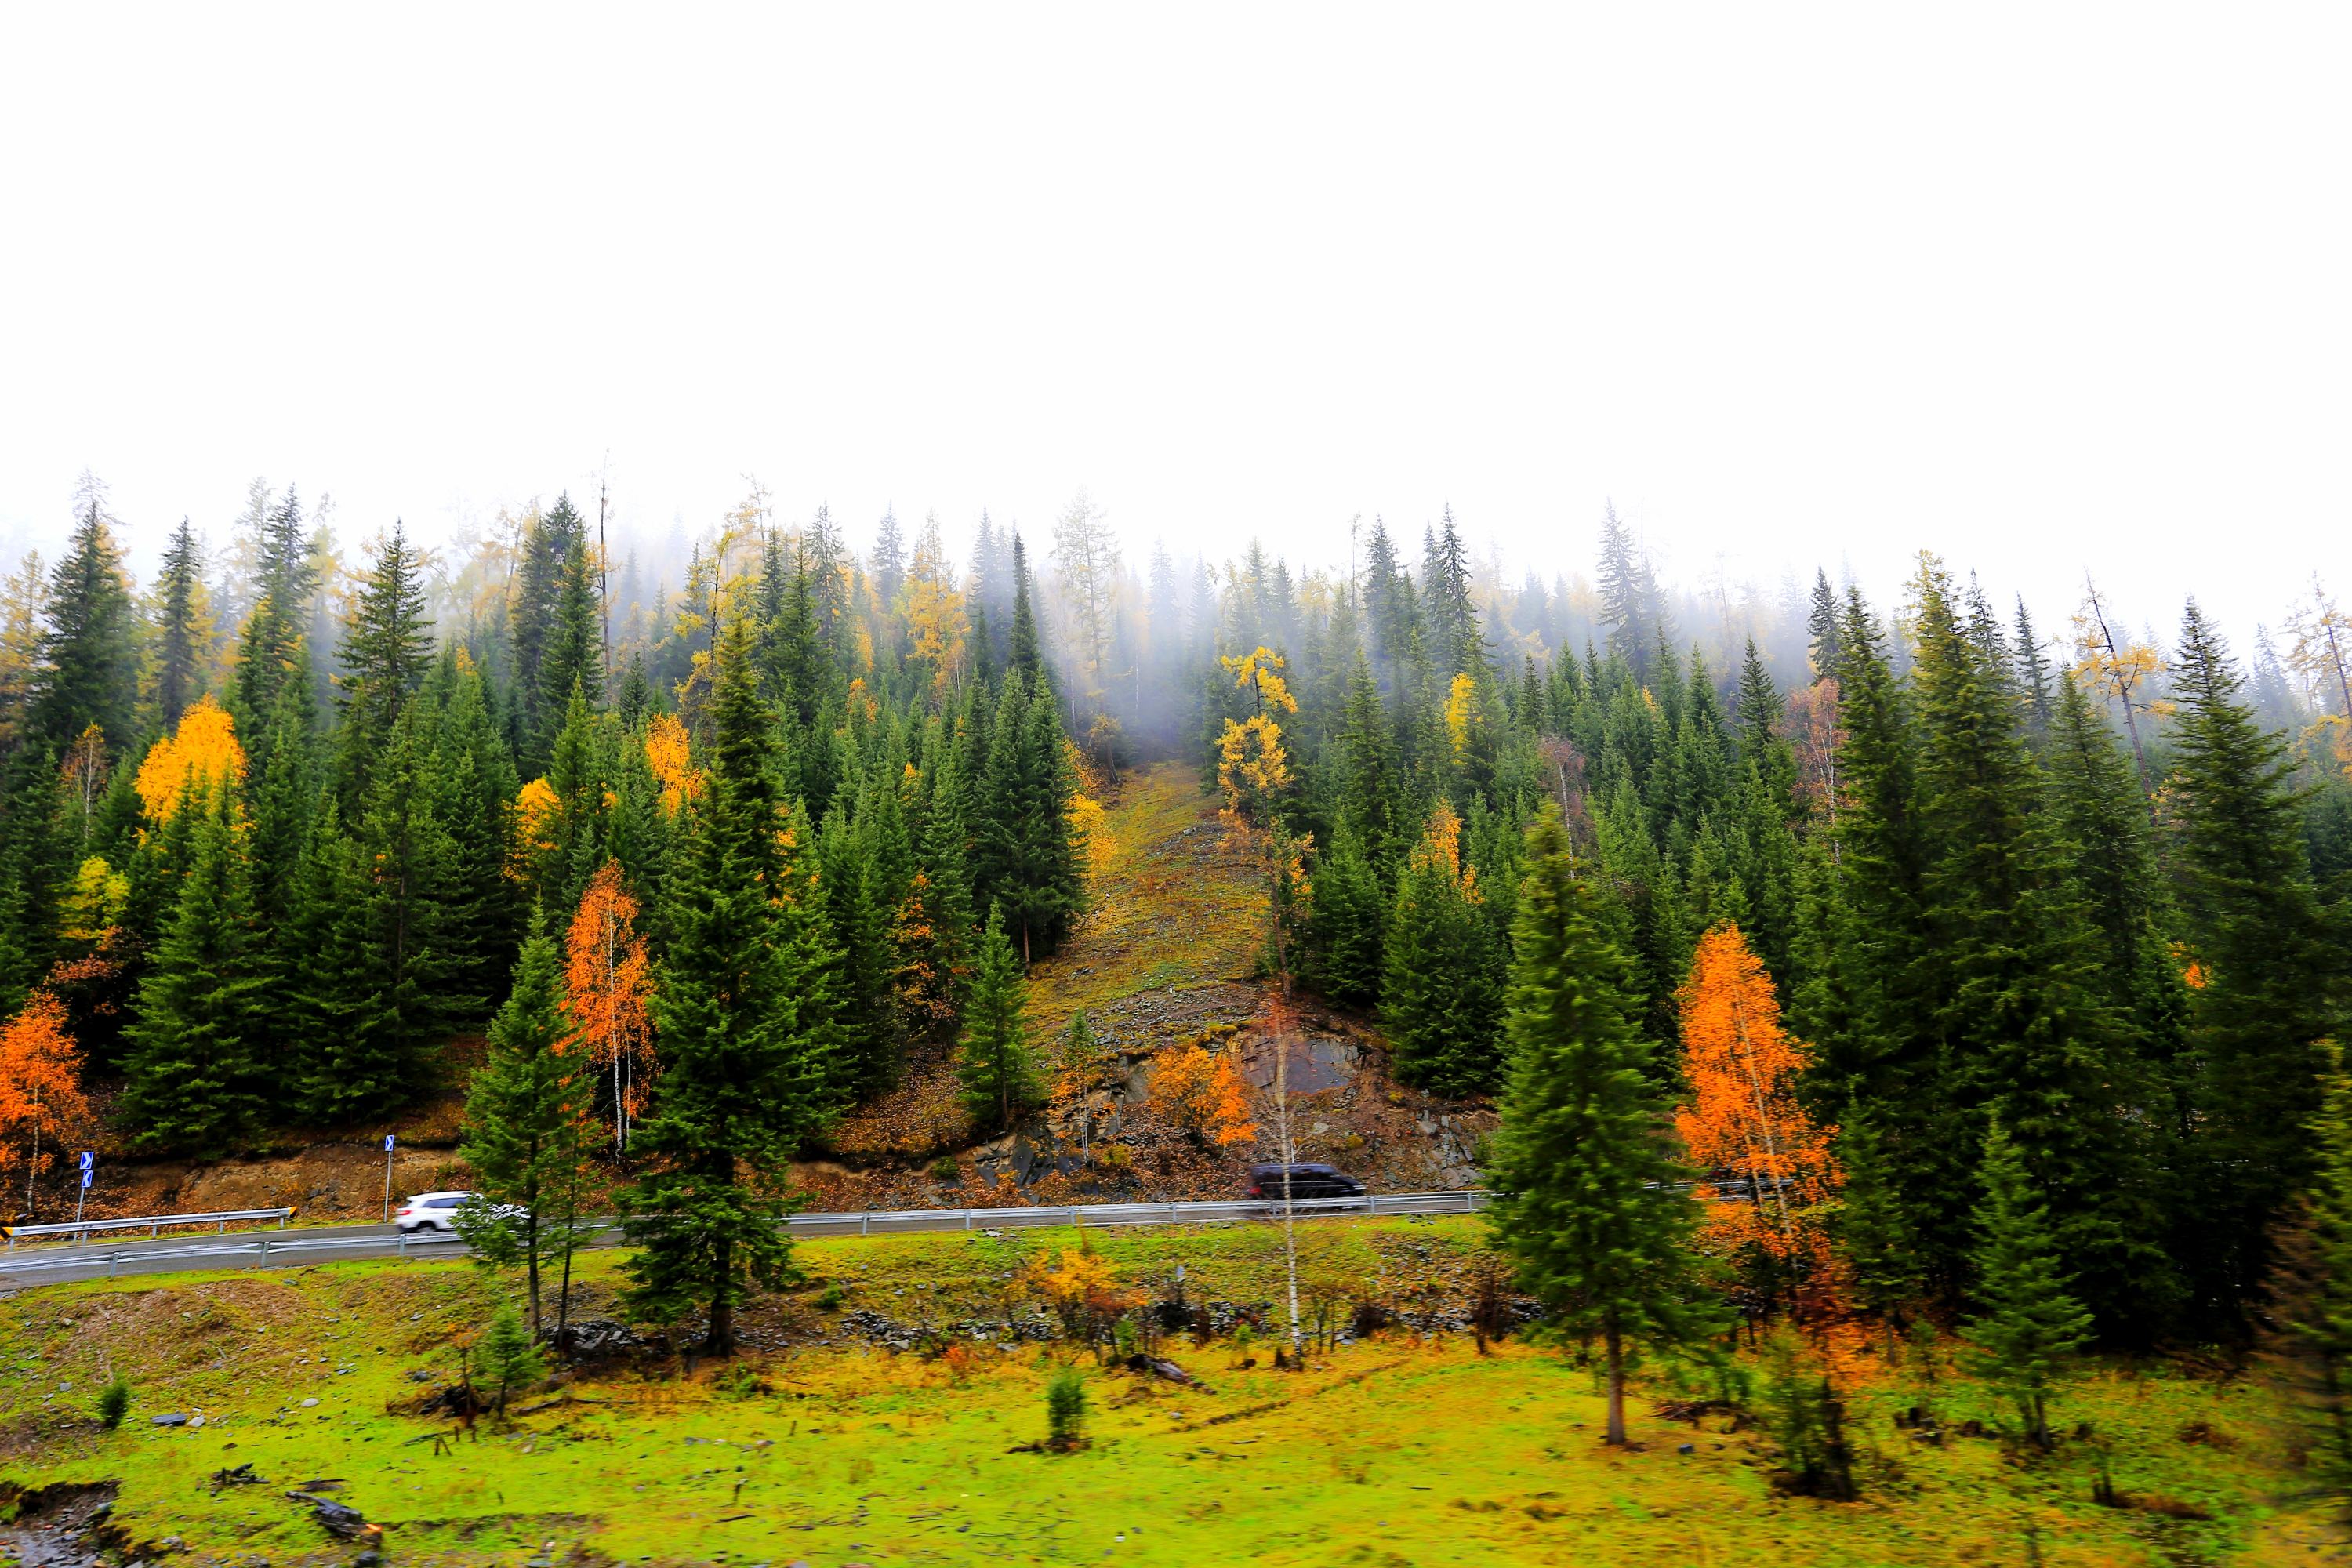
<point>818,1446</point>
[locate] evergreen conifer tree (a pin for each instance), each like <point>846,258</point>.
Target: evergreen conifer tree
<point>995,1060</point>
<point>183,631</point>
<point>88,668</point>
<point>384,653</point>
<point>525,1132</point>
<point>1585,1200</point>
<point>191,1084</point>
<point>743,1047</point>
<point>2028,1323</point>
<point>1442,996</point>
<point>2269,969</point>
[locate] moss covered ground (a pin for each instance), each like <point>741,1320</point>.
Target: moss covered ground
<point>821,1445</point>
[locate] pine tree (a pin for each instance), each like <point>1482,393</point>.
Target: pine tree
<point>572,661</point>
<point>2034,677</point>
<point>2268,972</point>
<point>873,1036</point>
<point>1442,998</point>
<point>1824,630</point>
<point>744,1043</point>
<point>1584,1195</point>
<point>527,1132</point>
<point>1872,1228</point>
<point>270,650</point>
<point>192,1083</point>
<point>2028,1323</point>
<point>2308,1328</point>
<point>994,1061</point>
<point>511,1360</point>
<point>1027,861</point>
<point>2019,1011</point>
<point>1347,927</point>
<point>182,630</point>
<point>88,672</point>
<point>1023,657</point>
<point>384,653</point>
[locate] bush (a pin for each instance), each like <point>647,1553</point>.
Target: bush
<point>947,1168</point>
<point>1066,1410</point>
<point>113,1403</point>
<point>511,1360</point>
<point>1806,1421</point>
<point>830,1299</point>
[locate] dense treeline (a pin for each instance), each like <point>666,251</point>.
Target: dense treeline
<point>271,840</point>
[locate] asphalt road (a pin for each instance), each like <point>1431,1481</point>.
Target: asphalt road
<point>35,1263</point>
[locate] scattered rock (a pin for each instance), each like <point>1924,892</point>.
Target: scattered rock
<point>174,1419</point>
<point>309,1403</point>
<point>342,1523</point>
<point>1685,1447</point>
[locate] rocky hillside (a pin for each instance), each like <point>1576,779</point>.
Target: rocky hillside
<point>1164,956</point>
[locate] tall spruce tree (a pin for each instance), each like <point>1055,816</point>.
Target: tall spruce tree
<point>191,1084</point>
<point>2269,972</point>
<point>1027,859</point>
<point>384,653</point>
<point>1442,995</point>
<point>527,1127</point>
<point>86,651</point>
<point>995,1060</point>
<point>2028,1322</point>
<point>182,630</point>
<point>1585,1200</point>
<point>744,1054</point>
<point>2021,1015</point>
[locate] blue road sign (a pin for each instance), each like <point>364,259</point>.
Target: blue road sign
<point>387,1143</point>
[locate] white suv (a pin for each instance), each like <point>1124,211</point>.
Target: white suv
<point>429,1212</point>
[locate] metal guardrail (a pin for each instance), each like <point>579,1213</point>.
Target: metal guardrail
<point>218,1219</point>
<point>265,1250</point>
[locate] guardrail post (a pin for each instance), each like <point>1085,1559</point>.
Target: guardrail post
<point>1171,1213</point>
<point>967,1219</point>
<point>864,1223</point>
<point>265,1252</point>
<point>111,1259</point>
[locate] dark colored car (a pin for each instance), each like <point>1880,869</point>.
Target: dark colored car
<point>1306,1181</point>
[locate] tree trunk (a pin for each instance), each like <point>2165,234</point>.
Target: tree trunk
<point>530,1265</point>
<point>721,1340</point>
<point>1616,1353</point>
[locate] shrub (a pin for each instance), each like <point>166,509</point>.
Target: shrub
<point>947,1168</point>
<point>1066,1410</point>
<point>830,1299</point>
<point>511,1360</point>
<point>113,1403</point>
<point>1806,1421</point>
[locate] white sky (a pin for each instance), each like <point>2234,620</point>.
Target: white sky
<point>2039,287</point>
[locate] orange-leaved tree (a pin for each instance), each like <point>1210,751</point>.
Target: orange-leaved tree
<point>41,1101</point>
<point>1198,1090</point>
<point>1743,1117</point>
<point>606,985</point>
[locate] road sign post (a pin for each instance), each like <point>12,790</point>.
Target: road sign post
<point>89,1158</point>
<point>387,1178</point>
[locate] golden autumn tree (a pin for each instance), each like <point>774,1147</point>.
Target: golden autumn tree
<point>933,609</point>
<point>607,984</point>
<point>1200,1092</point>
<point>537,810</point>
<point>202,753</point>
<point>1742,1120</point>
<point>1254,775</point>
<point>667,754</point>
<point>41,1101</point>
